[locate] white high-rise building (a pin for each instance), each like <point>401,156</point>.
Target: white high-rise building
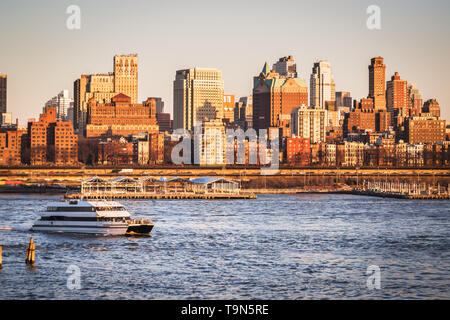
<point>197,96</point>
<point>309,123</point>
<point>210,143</point>
<point>322,87</point>
<point>62,102</point>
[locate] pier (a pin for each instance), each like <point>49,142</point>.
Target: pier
<point>401,190</point>
<point>159,196</point>
<point>207,188</point>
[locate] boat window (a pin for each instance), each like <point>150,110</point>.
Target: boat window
<point>71,209</point>
<point>103,219</point>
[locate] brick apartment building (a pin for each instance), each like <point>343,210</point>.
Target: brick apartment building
<point>51,141</point>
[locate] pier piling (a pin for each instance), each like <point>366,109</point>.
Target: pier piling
<point>30,252</point>
<point>1,256</point>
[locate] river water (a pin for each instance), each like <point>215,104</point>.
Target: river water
<point>274,247</point>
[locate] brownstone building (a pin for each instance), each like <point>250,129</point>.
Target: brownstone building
<point>274,97</point>
<point>120,117</point>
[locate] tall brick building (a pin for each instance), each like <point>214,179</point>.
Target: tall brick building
<point>377,85</point>
<point>274,98</point>
<point>397,100</point>
<point>51,141</point>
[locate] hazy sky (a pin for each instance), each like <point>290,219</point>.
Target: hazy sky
<point>41,56</point>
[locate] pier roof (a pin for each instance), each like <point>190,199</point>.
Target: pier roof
<point>208,180</point>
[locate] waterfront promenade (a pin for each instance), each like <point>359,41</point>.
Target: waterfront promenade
<point>285,180</point>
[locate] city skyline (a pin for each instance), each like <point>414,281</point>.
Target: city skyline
<point>59,59</point>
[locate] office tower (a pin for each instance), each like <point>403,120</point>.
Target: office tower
<point>104,86</point>
<point>274,97</point>
<point>62,102</point>
<point>197,96</point>
<point>309,123</point>
<point>243,112</point>
<point>415,101</point>
<point>3,94</point>
<point>322,87</point>
<point>228,108</point>
<point>159,104</point>
<point>377,78</point>
<point>432,108</point>
<point>286,67</point>
<point>120,117</point>
<point>343,99</point>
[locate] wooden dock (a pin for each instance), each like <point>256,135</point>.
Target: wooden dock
<point>160,196</point>
<point>401,196</point>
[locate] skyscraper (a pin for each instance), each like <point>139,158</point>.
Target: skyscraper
<point>322,87</point>
<point>3,91</point>
<point>377,78</point>
<point>62,102</point>
<point>104,86</point>
<point>197,95</point>
<point>286,67</point>
<point>415,101</point>
<point>126,75</point>
<point>274,97</point>
<point>397,100</point>
<point>397,93</point>
<point>343,99</point>
<point>159,104</point>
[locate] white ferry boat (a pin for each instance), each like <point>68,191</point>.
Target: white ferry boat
<point>91,217</point>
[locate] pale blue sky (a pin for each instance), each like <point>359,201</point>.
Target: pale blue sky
<point>41,56</point>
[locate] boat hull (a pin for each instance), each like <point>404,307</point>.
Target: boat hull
<point>139,229</point>
<point>94,229</point>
